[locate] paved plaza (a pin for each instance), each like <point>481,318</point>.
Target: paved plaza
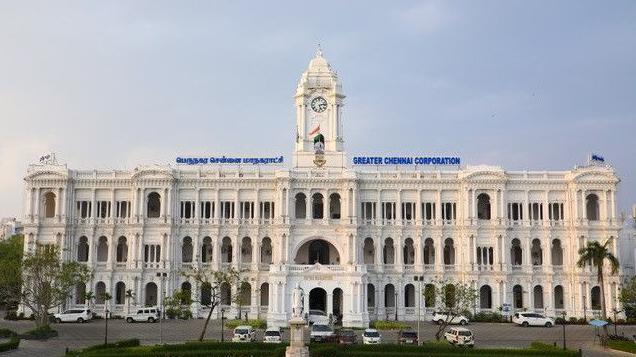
<point>73,335</point>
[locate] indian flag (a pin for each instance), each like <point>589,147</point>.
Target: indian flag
<point>315,130</point>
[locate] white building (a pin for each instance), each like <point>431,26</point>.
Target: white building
<point>9,226</point>
<point>353,239</point>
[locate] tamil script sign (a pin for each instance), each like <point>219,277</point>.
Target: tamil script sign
<point>224,160</point>
<point>405,160</point>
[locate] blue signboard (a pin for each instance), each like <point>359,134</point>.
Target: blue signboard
<point>406,160</point>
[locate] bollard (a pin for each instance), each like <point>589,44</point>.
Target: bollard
<point>580,352</point>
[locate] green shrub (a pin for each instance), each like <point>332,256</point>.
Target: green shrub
<point>487,317</point>
<point>260,324</point>
<point>12,344</point>
<point>389,325</point>
<point>5,333</point>
<point>11,315</point>
<point>39,333</point>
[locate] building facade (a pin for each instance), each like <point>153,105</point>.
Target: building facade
<point>353,239</point>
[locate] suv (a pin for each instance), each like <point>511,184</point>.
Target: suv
<point>273,335</point>
<point>347,337</point>
<point>74,315</point>
<point>371,337</point>
<point>407,338</point>
<point>321,333</point>
<point>460,336</point>
<point>317,317</point>
<point>440,317</point>
<point>244,334</point>
<point>150,314</point>
<point>526,319</point>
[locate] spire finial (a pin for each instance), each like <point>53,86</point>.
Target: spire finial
<point>319,51</point>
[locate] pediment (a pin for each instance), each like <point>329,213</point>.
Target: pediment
<point>153,173</point>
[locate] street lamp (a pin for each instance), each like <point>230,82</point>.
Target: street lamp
<point>563,322</point>
<point>163,296</point>
<point>222,324</point>
<point>615,311</point>
<point>419,279</point>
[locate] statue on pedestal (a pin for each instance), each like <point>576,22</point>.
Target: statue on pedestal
<point>298,302</point>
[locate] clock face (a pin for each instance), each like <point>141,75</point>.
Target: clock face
<point>319,104</point>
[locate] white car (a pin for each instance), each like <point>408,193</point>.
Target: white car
<point>321,333</point>
<point>244,334</point>
<point>460,336</point>
<point>526,319</point>
<point>150,314</point>
<point>273,335</point>
<point>74,315</point>
<point>318,317</point>
<point>440,317</point>
<point>371,337</point>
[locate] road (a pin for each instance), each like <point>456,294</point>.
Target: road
<point>73,335</point>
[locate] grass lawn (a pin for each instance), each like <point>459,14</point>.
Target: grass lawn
<point>626,346</point>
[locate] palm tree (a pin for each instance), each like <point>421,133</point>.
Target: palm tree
<point>88,297</point>
<point>129,295</point>
<point>596,253</point>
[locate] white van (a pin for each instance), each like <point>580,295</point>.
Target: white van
<point>317,317</point>
<point>244,334</point>
<point>526,319</point>
<point>273,335</point>
<point>149,314</point>
<point>74,315</point>
<point>460,336</point>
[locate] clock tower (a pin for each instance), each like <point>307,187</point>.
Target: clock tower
<point>319,101</point>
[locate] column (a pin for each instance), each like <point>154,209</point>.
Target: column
<point>217,207</point>
<point>308,213</point>
<point>354,204</point>
<point>378,216</point>
<point>418,252</point>
<point>473,205</point>
<point>325,205</point>
<point>398,208</point>
<point>329,302</point>
<point>379,262</point>
<point>257,208</point>
<point>438,207</point>
<point>109,260</point>
<point>504,214</point>
<point>613,204</point>
<point>93,206</point>
<point>37,203</point>
<point>439,254</point>
<point>419,216</point>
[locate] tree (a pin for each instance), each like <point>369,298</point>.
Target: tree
<point>454,297</point>
<point>129,295</point>
<point>11,251</point>
<point>47,282</point>
<point>89,296</point>
<point>211,281</point>
<point>628,298</point>
<point>595,254</point>
<point>242,288</point>
<point>178,305</point>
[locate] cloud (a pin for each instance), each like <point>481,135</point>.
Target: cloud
<point>426,17</point>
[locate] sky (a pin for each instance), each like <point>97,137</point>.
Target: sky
<point>114,84</point>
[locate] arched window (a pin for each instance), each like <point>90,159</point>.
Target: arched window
<point>246,250</point>
<point>389,295</point>
<point>334,206</point>
<point>245,294</point>
<point>151,294</point>
<point>266,251</point>
<point>206,250</point>
<point>226,294</point>
<point>100,292</point>
<point>449,251</point>
<point>102,249</point>
<point>80,293</point>
<point>369,251</point>
<point>206,294</point>
<point>538,297</point>
<point>559,299</point>
<point>409,252</point>
<point>536,252</point>
<point>82,249</point>
<point>429,295</point>
<point>186,289</point>
<point>370,295</point>
<point>409,295</point>
<point>265,294</point>
<point>319,252</point>
<point>186,250</point>
<point>154,205</point>
<point>429,251</point>
<point>596,298</point>
<point>517,296</point>
<point>120,293</point>
<point>226,250</point>
<point>516,252</point>
<point>317,206</point>
<point>483,206</point>
<point>49,205</point>
<point>591,207</point>
<point>301,206</point>
<point>449,293</point>
<point>557,252</point>
<point>485,297</point>
<point>389,251</point>
<point>122,250</point>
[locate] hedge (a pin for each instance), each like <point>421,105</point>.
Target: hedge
<point>260,324</point>
<point>389,325</point>
<point>39,333</point>
<point>626,346</point>
<point>12,344</point>
<point>207,348</point>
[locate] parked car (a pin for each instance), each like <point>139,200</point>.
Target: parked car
<point>407,337</point>
<point>526,319</point>
<point>321,333</point>
<point>371,337</point>
<point>149,314</point>
<point>273,335</point>
<point>317,317</point>
<point>244,334</point>
<point>440,317</point>
<point>347,337</point>
<point>460,336</point>
<point>73,315</point>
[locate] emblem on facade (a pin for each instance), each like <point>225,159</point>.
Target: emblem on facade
<point>319,149</point>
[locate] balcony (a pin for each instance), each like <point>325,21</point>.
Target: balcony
<point>429,267</point>
<point>449,267</point>
<point>517,267</point>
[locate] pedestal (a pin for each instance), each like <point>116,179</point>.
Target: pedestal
<point>297,347</point>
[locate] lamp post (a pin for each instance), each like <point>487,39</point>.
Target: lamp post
<point>222,324</point>
<point>615,311</point>
<point>584,307</point>
<point>563,322</point>
<point>163,296</point>
<point>419,279</point>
